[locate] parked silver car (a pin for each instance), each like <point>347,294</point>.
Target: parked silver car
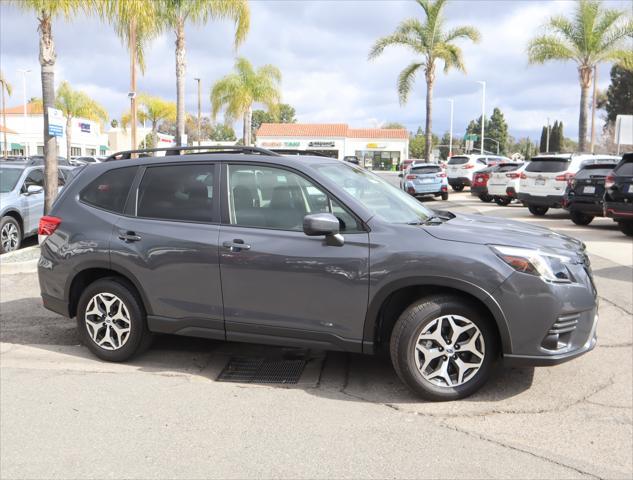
<point>22,200</point>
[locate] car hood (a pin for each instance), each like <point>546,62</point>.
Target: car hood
<point>487,230</point>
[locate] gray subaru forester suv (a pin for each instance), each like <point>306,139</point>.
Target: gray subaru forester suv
<point>251,246</point>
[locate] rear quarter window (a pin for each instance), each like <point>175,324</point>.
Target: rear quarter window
<point>625,169</point>
<point>547,165</point>
<point>458,160</point>
<point>109,191</point>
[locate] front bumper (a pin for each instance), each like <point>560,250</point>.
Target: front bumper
<point>550,201</point>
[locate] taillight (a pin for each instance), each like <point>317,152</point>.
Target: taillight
<point>411,177</point>
<point>523,176</point>
<point>513,175</point>
<point>441,175</point>
<point>48,225</point>
<point>469,166</point>
<point>565,177</point>
<point>609,181</point>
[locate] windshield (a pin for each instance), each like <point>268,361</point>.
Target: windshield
<point>383,199</point>
<point>8,178</point>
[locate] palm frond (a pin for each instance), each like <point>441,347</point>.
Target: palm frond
<point>406,80</point>
<point>452,57</point>
<point>548,47</point>
<point>466,31</point>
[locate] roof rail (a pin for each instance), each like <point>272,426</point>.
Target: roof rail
<point>145,152</point>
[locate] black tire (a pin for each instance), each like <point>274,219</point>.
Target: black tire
<point>457,188</point>
<point>445,196</point>
<point>538,211</point>
<point>626,228</point>
<point>405,336</point>
<point>580,218</point>
<point>503,201</point>
<point>9,226</point>
<point>485,198</point>
<point>139,337</point>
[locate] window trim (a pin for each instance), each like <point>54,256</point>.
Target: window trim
<point>37,169</point>
<point>224,192</point>
<point>131,207</point>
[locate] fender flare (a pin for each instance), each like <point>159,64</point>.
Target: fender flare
<point>376,302</point>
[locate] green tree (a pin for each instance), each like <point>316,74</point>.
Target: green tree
<point>136,22</point>
<point>394,126</point>
<point>285,114</point>
<point>543,143</point>
<point>474,128</point>
<point>594,35</point>
<point>73,104</point>
<point>5,88</point>
<point>238,91</point>
<point>223,133</point>
<point>45,11</point>
<point>176,13</point>
<point>619,96</point>
<point>417,144</point>
<point>444,145</point>
<point>154,110</point>
<point>498,130</point>
<point>430,42</point>
<point>555,137</point>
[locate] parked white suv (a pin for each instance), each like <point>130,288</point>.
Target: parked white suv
<point>504,183</point>
<point>546,177</point>
<point>461,168</point>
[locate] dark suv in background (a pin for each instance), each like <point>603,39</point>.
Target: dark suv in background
<point>247,245</point>
<point>618,199</point>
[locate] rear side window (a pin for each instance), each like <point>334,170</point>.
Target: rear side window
<point>458,160</point>
<point>110,190</point>
<point>177,192</point>
<point>625,169</point>
<point>507,168</point>
<point>598,171</point>
<point>547,165</point>
<point>425,169</point>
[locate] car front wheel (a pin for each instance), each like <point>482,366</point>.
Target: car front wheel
<point>111,320</point>
<point>457,188</point>
<point>10,235</point>
<point>626,228</point>
<point>538,211</point>
<point>580,218</point>
<point>443,348</point>
<point>445,196</point>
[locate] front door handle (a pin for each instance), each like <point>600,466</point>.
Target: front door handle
<point>236,245</point>
<point>129,236</point>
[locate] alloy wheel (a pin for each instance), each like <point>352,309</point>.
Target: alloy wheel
<point>450,351</point>
<point>108,321</point>
<point>9,237</point>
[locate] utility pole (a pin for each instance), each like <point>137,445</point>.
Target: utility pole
<point>199,109</point>
<point>450,135</point>
<point>483,113</point>
<point>547,137</point>
<point>593,109</point>
<point>24,71</point>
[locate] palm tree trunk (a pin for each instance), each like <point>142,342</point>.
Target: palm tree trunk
<point>428,128</point>
<point>155,135</point>
<point>585,82</point>
<point>180,81</point>
<point>247,126</point>
<point>47,64</point>
<point>5,149</point>
<point>68,136</point>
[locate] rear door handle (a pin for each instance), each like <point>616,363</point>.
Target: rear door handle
<point>236,245</point>
<point>129,236</point>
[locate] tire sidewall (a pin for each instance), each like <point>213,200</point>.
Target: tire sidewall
<point>3,222</point>
<point>137,320</point>
<point>419,316</point>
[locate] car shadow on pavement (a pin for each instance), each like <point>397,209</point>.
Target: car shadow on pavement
<point>334,375</point>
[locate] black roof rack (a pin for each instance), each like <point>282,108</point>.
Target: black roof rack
<point>291,151</point>
<point>146,152</point>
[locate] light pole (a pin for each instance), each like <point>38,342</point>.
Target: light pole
<point>483,112</point>
<point>593,109</point>
<point>199,109</point>
<point>24,71</point>
<point>450,134</point>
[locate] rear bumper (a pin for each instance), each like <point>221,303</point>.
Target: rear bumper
<point>588,207</point>
<point>425,189</point>
<point>457,181</point>
<point>550,201</point>
<point>478,191</point>
<point>619,211</point>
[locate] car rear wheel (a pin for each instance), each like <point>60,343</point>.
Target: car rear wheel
<point>538,211</point>
<point>580,218</point>
<point>443,348</point>
<point>503,201</point>
<point>457,188</point>
<point>111,320</point>
<point>445,196</point>
<point>10,235</point>
<point>485,198</point>
<point>626,228</point>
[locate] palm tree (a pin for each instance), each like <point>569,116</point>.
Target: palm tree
<point>136,22</point>
<point>5,87</point>
<point>238,91</point>
<point>176,13</point>
<point>431,43</point>
<point>153,110</point>
<point>594,35</point>
<point>74,104</point>
<point>46,10</point>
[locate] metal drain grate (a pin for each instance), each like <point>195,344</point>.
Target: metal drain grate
<point>262,370</point>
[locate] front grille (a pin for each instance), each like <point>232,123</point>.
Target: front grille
<point>564,324</point>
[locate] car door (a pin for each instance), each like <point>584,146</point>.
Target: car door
<point>33,202</point>
<point>280,285</point>
<point>168,241</point>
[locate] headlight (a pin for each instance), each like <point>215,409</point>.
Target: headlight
<point>549,266</point>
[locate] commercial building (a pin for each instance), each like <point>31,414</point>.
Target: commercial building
<point>28,139</point>
<point>376,148</point>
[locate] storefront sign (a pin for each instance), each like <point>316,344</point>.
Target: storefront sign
<point>55,122</point>
<point>84,127</point>
<point>281,144</point>
<point>321,144</point>
<point>376,145</point>
<point>271,144</point>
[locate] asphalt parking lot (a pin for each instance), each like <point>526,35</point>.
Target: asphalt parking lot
<point>65,414</point>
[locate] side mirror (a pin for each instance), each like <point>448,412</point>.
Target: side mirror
<point>318,224</point>
<point>33,189</point>
<point>400,175</point>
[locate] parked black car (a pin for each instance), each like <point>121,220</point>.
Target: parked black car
<point>585,193</point>
<point>618,198</point>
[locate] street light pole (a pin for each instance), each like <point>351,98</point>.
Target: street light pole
<point>24,71</point>
<point>450,135</point>
<point>199,108</point>
<point>483,113</point>
<point>593,109</point>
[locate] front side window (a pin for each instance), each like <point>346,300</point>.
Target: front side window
<point>269,197</point>
<point>109,191</point>
<point>35,177</point>
<point>177,192</point>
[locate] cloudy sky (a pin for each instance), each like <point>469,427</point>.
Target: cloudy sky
<point>321,48</point>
